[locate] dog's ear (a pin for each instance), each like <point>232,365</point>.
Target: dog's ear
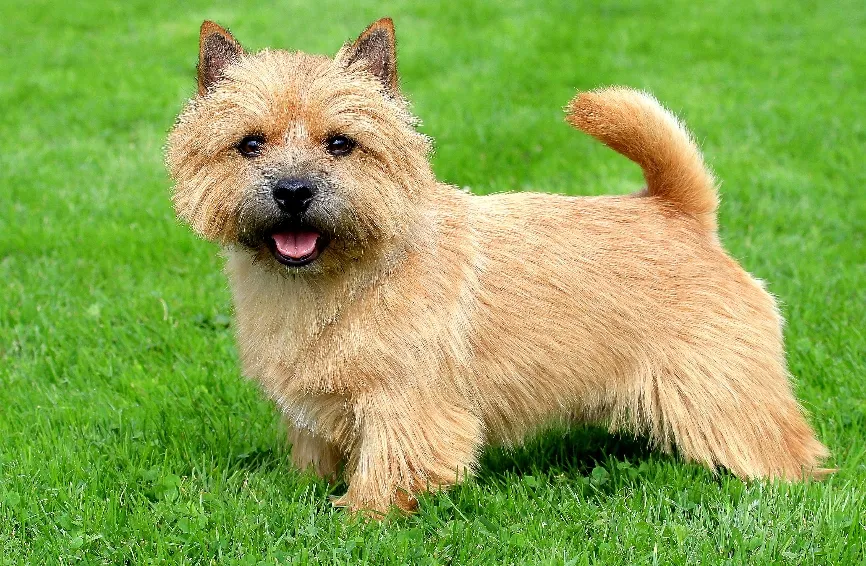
<point>216,50</point>
<point>376,48</point>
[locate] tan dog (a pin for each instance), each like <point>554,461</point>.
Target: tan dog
<point>402,324</point>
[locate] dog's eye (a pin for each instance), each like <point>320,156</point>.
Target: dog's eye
<point>339,145</point>
<point>251,146</point>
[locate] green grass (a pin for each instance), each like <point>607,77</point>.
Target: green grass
<point>128,435</point>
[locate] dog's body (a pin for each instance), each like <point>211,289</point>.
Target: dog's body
<point>433,322</point>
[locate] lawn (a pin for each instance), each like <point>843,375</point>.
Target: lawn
<point>128,435</point>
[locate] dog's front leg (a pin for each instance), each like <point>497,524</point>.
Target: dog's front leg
<point>407,443</point>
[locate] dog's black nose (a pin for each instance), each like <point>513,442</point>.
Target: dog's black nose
<point>293,195</point>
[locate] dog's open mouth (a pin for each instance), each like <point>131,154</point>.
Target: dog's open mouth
<point>297,248</point>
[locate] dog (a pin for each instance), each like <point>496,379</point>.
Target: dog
<point>402,324</point>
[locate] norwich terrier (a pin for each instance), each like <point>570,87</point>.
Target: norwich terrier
<point>402,324</point>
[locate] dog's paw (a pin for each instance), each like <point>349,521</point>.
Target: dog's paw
<point>402,502</point>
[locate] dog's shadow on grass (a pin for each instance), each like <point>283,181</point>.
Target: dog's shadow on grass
<point>259,459</point>
<point>595,461</point>
<point>575,451</point>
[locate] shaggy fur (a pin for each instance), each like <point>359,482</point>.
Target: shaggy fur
<point>435,321</point>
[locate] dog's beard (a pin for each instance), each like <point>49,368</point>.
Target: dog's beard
<point>328,230</point>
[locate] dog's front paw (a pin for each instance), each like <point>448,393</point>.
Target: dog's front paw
<point>375,511</point>
<point>376,507</point>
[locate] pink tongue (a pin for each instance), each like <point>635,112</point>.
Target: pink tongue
<point>296,245</point>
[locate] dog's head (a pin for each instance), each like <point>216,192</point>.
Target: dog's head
<point>306,161</point>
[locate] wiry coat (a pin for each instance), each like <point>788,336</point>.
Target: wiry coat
<point>437,321</point>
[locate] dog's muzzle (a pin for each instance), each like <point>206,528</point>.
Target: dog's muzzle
<point>294,242</point>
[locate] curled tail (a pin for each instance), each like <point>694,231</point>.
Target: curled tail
<point>637,126</point>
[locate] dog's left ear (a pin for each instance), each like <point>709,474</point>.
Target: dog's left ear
<point>376,48</point>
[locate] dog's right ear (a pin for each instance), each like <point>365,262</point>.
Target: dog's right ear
<point>376,49</point>
<point>216,50</point>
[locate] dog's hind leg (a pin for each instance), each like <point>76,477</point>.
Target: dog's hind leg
<point>749,423</point>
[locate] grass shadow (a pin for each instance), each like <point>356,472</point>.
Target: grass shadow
<point>258,458</point>
<point>573,451</point>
